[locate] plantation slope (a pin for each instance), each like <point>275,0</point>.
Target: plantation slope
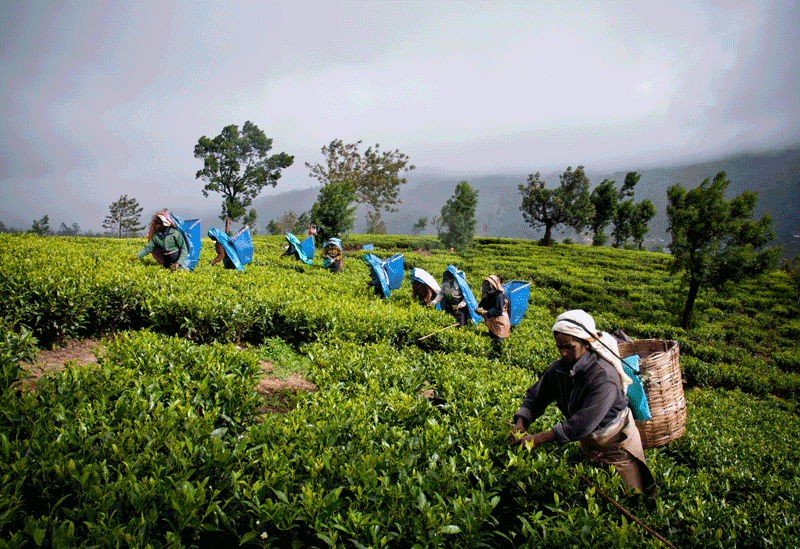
<point>404,442</point>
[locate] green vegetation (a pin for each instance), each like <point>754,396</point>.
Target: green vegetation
<point>236,165</point>
<point>405,442</point>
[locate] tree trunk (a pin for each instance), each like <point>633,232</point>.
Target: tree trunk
<point>694,286</point>
<point>547,234</point>
<point>228,226</point>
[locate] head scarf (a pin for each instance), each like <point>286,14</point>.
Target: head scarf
<point>494,282</point>
<point>580,324</point>
<point>157,222</point>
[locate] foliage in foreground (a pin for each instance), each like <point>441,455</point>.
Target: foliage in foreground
<point>162,442</point>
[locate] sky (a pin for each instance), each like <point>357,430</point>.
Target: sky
<point>104,99</point>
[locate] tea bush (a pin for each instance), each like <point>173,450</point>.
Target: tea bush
<point>405,442</point>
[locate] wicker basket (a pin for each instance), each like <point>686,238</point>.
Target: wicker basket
<point>660,372</point>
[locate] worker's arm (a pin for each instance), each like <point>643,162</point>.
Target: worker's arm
<point>147,249</point>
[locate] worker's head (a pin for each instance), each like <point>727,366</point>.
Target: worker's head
<point>159,223</point>
<point>573,332</point>
<point>570,347</point>
<point>491,285</point>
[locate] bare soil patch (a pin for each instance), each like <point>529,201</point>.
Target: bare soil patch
<point>278,394</point>
<point>53,360</point>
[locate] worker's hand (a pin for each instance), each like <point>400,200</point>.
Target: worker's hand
<point>527,441</point>
<point>173,267</point>
<point>461,305</point>
<point>133,259</point>
<point>480,311</point>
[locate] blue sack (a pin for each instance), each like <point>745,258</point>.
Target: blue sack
<point>637,401</point>
<point>225,241</point>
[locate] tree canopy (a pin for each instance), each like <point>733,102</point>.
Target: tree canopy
<point>375,175</point>
<point>458,218</point>
<point>124,216</point>
<point>714,240</point>
<point>236,164</point>
<point>332,213</point>
<point>41,226</point>
<point>568,204</point>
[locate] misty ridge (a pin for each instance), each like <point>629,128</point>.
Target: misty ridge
<point>775,175</point>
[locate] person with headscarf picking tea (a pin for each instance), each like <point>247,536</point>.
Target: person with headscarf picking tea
<point>493,307</point>
<point>588,385</point>
<point>165,242</point>
<point>454,302</point>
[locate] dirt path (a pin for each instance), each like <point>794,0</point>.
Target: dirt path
<point>277,393</point>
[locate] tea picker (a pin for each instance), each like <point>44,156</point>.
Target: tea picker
<point>234,251</point>
<point>168,242</point>
<point>457,297</point>
<point>589,386</point>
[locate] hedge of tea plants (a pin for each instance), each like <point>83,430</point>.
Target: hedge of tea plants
<point>164,442</point>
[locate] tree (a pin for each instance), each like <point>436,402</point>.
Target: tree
<point>273,227</point>
<point>124,216</point>
<point>73,230</point>
<point>437,223</point>
<point>250,220</point>
<point>604,200</point>
<point>332,213</point>
<point>792,269</point>
<point>41,227</point>
<point>301,225</point>
<point>375,225</point>
<point>714,240</point>
<point>458,218</point>
<point>375,176</point>
<point>236,165</point>
<point>419,226</point>
<point>568,204</point>
<point>642,213</point>
<point>622,222</point>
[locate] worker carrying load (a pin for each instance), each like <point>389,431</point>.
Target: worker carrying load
<point>300,250</point>
<point>379,278</point>
<point>332,255</point>
<point>168,244</point>
<point>589,385</point>
<point>423,286</point>
<point>494,308</point>
<point>227,250</point>
<point>457,297</point>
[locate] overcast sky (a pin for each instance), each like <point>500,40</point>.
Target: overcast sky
<point>105,98</point>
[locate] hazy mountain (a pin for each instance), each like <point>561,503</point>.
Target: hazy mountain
<point>774,175</point>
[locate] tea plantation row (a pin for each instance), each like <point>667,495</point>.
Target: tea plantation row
<point>163,444</point>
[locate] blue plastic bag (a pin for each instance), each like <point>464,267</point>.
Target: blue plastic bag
<point>637,400</point>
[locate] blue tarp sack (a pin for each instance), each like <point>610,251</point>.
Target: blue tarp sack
<point>227,244</point>
<point>244,245</point>
<point>307,246</point>
<point>296,249</point>
<point>472,303</point>
<point>517,293</point>
<point>377,272</point>
<point>637,401</point>
<point>190,230</point>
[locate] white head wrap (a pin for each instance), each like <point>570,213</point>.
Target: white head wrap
<point>164,219</point>
<point>580,324</point>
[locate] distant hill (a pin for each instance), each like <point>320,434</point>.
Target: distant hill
<point>774,175</point>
